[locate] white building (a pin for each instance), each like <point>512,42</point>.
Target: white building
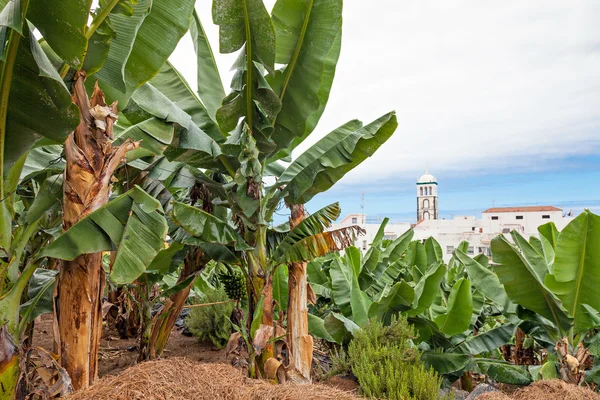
<point>450,232</point>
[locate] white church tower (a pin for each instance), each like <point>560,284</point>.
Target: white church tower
<point>427,197</point>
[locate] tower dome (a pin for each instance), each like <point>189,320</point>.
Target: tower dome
<point>427,178</point>
<point>427,197</point>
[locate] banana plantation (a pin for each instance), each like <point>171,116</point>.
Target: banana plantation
<point>126,195</point>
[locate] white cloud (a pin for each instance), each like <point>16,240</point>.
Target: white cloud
<point>478,86</point>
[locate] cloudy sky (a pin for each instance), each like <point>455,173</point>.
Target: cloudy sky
<point>500,100</point>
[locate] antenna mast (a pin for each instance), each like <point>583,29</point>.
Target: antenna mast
<point>362,207</point>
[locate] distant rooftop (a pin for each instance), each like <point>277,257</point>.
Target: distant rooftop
<point>521,209</point>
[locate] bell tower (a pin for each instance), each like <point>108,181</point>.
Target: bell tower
<point>427,197</point>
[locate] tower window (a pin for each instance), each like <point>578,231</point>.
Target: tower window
<point>449,249</point>
<point>421,190</point>
<point>354,220</point>
<point>470,250</point>
<point>494,218</point>
<point>425,203</point>
<point>364,246</point>
<point>545,217</point>
<point>519,217</point>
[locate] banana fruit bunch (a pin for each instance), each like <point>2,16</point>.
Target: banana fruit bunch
<point>234,284</point>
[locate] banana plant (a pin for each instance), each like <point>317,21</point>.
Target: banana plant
<point>551,279</point>
<point>121,47</point>
<point>268,112</point>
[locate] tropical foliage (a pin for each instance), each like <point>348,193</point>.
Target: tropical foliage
<point>469,313</point>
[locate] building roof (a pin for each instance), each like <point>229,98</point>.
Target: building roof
<point>521,209</point>
<point>426,178</point>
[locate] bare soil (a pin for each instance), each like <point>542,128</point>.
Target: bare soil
<point>118,354</point>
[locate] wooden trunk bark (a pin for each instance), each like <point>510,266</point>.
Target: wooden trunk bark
<point>300,342</point>
<point>91,163</point>
<point>164,321</point>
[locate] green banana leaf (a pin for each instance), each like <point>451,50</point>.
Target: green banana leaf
<point>50,193</point>
<point>52,115</point>
<point>427,288</point>
<point>156,39</point>
<point>115,41</point>
<point>522,281</point>
<point>309,36</point>
<point>39,295</point>
<point>171,83</point>
<point>316,327</point>
<point>576,275</point>
<point>328,160</point>
<point>210,87</point>
<point>346,293</point>
<point>132,224</point>
<point>548,237</point>
<point>191,145</point>
<point>280,286</point>
<point>433,250</point>
<point>488,341</point>
<point>206,227</point>
<point>445,363</point>
<point>340,328</point>
<point>483,278</point>
<point>155,135</point>
<point>242,21</point>
<point>398,299</point>
<point>62,23</point>
<point>501,371</point>
<point>458,312</point>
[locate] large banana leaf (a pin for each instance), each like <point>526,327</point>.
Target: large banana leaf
<point>280,286</point>
<point>206,227</point>
<point>40,104</point>
<point>502,371</point>
<point>123,30</point>
<point>132,224</point>
<point>488,341</point>
<point>576,276</point>
<point>62,23</point>
<point>445,363</point>
<point>309,35</point>
<point>522,281</point>
<point>210,87</point>
<point>156,39</point>
<point>433,250</point>
<point>399,298</point>
<point>39,295</point>
<point>458,312</point>
<point>327,161</point>
<point>155,135</point>
<point>484,279</point>
<point>340,328</point>
<point>548,237</point>
<point>191,144</point>
<point>352,302</point>
<point>428,287</point>
<point>50,193</point>
<point>170,83</point>
<point>316,327</point>
<point>311,225</point>
<point>242,21</point>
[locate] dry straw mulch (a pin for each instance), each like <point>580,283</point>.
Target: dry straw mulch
<point>182,379</point>
<point>546,390</point>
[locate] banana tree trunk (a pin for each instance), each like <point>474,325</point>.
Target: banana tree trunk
<point>300,342</point>
<point>164,321</point>
<point>91,162</point>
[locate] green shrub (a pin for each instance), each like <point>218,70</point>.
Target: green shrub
<point>387,364</point>
<point>211,323</point>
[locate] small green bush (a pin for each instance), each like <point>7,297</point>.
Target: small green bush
<point>388,366</point>
<point>211,323</point>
